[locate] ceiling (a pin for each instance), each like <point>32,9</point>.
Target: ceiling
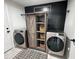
<point>34,2</point>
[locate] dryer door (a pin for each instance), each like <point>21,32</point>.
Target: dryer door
<point>19,39</point>
<point>55,44</point>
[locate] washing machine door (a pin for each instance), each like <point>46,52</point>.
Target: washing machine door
<point>55,44</point>
<point>19,39</point>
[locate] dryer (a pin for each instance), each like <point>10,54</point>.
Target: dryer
<point>20,38</point>
<point>55,43</point>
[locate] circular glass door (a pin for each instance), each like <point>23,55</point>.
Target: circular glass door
<point>19,39</point>
<point>55,44</point>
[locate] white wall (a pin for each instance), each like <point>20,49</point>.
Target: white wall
<point>70,20</point>
<point>8,44</point>
<point>15,11</point>
<point>70,27</point>
<point>13,20</point>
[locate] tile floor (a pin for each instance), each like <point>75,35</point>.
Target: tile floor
<point>10,54</point>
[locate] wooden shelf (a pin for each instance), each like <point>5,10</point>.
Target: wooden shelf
<point>40,32</point>
<point>41,39</point>
<point>39,22</point>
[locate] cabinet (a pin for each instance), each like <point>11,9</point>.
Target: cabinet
<point>56,17</point>
<point>31,30</point>
<point>56,14</point>
<point>41,31</point>
<point>36,27</point>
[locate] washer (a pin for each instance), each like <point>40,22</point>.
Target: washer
<point>55,43</point>
<point>19,38</point>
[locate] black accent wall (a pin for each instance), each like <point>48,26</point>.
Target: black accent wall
<point>56,16</point>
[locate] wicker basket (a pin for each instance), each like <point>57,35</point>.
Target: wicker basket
<point>42,28</point>
<point>42,36</point>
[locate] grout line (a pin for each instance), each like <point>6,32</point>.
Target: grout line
<point>8,50</point>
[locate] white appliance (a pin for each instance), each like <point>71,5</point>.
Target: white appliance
<point>55,43</point>
<point>20,38</point>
